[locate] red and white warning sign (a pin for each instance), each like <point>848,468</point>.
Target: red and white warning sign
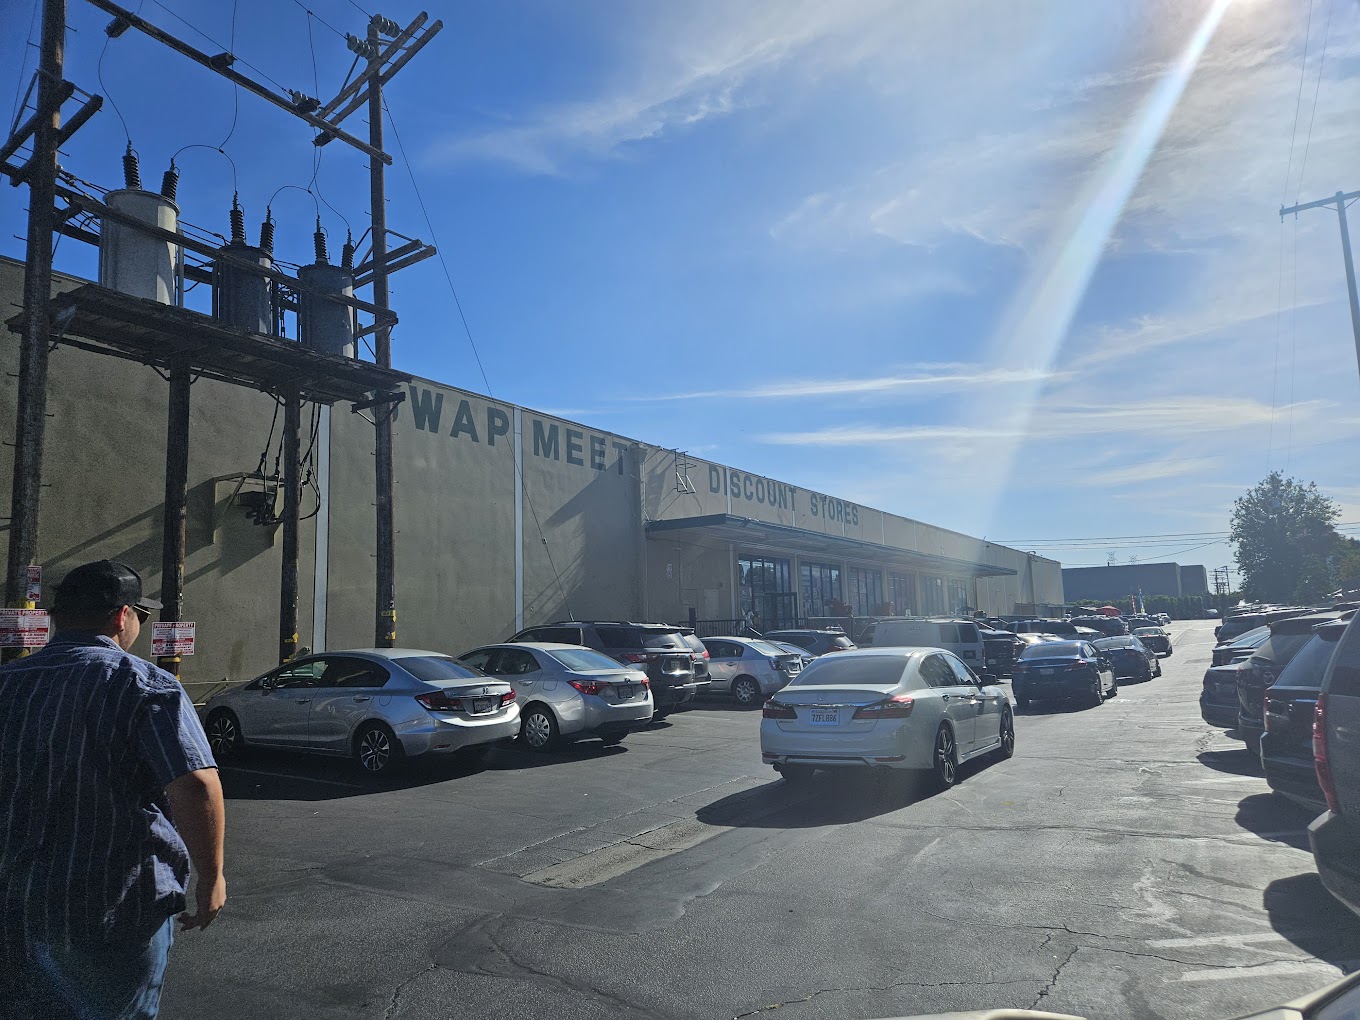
<point>23,628</point>
<point>34,589</point>
<point>175,638</point>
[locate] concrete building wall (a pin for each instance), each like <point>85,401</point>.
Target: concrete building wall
<point>1194,580</point>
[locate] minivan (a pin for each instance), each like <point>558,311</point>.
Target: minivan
<point>962,637</point>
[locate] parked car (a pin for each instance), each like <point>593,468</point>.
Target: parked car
<point>1335,834</point>
<point>1240,647</point>
<point>1061,628</point>
<point>1164,619</point>
<point>1110,626</point>
<point>891,708</point>
<point>1263,668</point>
<point>1063,670</point>
<point>962,637</point>
<point>1291,701</point>
<point>658,648</point>
<point>1038,639</point>
<point>1001,649</point>
<point>376,706</point>
<point>748,669</point>
<point>698,654</point>
<point>1129,657</point>
<point>1155,638</point>
<point>566,692</point>
<point>818,642</point>
<point>806,656</point>
<point>1218,696</point>
<point>1235,626</point>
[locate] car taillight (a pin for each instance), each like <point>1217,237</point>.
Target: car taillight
<point>633,657</point>
<point>897,707</point>
<point>1324,770</point>
<point>507,697</point>
<point>774,710</point>
<point>706,655</point>
<point>439,701</point>
<point>588,686</point>
<point>776,664</point>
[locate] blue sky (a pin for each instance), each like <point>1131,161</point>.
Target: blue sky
<point>1012,269</point>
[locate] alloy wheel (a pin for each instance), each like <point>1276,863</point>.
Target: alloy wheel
<point>375,750</point>
<point>222,735</point>
<point>746,691</point>
<point>945,767</point>
<point>1007,735</point>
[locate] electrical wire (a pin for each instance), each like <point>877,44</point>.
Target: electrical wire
<point>214,148</point>
<point>448,276</point>
<point>312,14</point>
<point>365,13</point>
<point>99,74</point>
<point>19,98</point>
<point>1322,63</point>
<point>235,88</point>
<point>1298,102</point>
<point>194,28</point>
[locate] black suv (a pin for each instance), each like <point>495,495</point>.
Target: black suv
<point>818,642</point>
<point>1335,834</point>
<point>1001,648</point>
<point>1287,638</point>
<point>698,653</point>
<point>658,648</point>
<point>1110,626</point>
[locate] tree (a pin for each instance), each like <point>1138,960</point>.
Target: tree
<point>1284,541</point>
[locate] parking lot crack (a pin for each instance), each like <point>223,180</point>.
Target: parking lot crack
<point>395,1002</point>
<point>1053,981</point>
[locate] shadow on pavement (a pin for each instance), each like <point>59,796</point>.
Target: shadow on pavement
<point>720,703</point>
<point>1051,708</point>
<point>1237,762</point>
<point>1304,912</point>
<point>827,798</point>
<point>1272,817</point>
<point>516,758</point>
<point>259,774</point>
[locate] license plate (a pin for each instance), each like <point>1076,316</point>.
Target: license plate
<point>480,706</point>
<point>824,716</point>
<point>1046,672</point>
<point>625,692</point>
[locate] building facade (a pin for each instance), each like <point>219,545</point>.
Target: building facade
<point>505,517</point>
<point>1124,579</point>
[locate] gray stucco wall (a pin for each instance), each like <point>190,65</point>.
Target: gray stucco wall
<point>1121,580</point>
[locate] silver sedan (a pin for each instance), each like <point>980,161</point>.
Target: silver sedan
<point>567,691</point>
<point>374,705</point>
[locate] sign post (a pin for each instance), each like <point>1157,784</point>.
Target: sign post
<point>172,638</point>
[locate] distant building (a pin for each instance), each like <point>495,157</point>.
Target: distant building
<point>1123,579</point>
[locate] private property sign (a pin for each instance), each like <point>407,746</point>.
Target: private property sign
<point>176,638</point>
<point>23,628</point>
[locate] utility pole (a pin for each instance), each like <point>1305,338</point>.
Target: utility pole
<point>385,619</point>
<point>1340,200</point>
<point>176,504</point>
<point>288,575</point>
<point>32,410</point>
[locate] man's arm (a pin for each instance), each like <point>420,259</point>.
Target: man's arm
<point>200,816</point>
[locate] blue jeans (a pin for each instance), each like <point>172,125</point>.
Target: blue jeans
<point>100,983</point>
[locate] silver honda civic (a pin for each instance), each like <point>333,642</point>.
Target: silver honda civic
<point>374,705</point>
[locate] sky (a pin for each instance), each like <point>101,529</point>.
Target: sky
<point>1013,269</point>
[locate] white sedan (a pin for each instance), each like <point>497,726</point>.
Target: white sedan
<point>890,708</point>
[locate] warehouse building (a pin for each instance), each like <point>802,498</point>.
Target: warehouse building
<point>1121,580</point>
<point>505,517</point>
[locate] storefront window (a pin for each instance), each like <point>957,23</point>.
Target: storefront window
<point>821,588</point>
<point>766,592</point>
<point>958,595</point>
<point>902,593</point>
<point>933,600</point>
<point>866,591</point>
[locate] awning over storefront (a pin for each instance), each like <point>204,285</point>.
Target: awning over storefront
<point>745,529</point>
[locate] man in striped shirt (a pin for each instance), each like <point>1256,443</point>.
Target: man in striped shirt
<point>108,791</point>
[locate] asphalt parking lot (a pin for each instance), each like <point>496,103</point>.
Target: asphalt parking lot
<point>1129,861</point>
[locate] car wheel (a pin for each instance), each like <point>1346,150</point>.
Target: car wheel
<point>1096,697</point>
<point>946,758</point>
<point>746,692</point>
<point>375,749</point>
<point>795,773</point>
<point>224,734</point>
<point>1159,668</point>
<point>1114,687</point>
<point>611,739</point>
<point>1022,702</point>
<point>1007,735</point>
<point>538,728</point>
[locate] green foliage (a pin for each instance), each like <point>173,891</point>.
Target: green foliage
<point>1284,541</point>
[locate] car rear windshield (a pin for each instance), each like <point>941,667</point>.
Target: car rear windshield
<point>836,671</point>
<point>1280,648</point>
<point>1252,638</point>
<point>584,660</point>
<point>842,642</point>
<point>435,669</point>
<point>765,648</point>
<point>1114,642</point>
<point>1306,669</point>
<point>641,637</point>
<point>1052,650</point>
<point>1345,681</point>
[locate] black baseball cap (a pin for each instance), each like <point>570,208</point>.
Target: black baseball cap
<point>103,584</point>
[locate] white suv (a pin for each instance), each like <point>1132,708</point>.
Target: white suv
<point>961,637</point>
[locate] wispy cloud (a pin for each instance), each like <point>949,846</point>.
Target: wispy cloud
<point>944,379</point>
<point>1150,471</point>
<point>1174,417</point>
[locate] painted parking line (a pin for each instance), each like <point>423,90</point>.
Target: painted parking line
<point>1255,780</point>
<point>234,770</point>
<point>1251,938</point>
<point>1284,967</point>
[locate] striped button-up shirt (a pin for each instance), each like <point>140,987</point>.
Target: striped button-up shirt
<point>90,736</point>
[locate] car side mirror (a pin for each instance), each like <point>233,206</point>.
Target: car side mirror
<point>266,685</point>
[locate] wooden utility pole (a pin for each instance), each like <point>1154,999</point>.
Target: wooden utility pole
<point>385,620</point>
<point>288,576</point>
<point>32,403</point>
<point>1340,200</point>
<point>176,504</point>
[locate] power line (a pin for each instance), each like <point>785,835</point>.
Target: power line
<point>1118,538</point>
<point>1322,63</point>
<point>194,28</point>
<point>23,66</point>
<point>1298,102</point>
<point>312,14</point>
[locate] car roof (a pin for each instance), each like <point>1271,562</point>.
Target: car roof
<point>1302,624</point>
<point>605,623</point>
<point>809,630</point>
<point>544,646</point>
<point>383,653</point>
<point>885,652</point>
